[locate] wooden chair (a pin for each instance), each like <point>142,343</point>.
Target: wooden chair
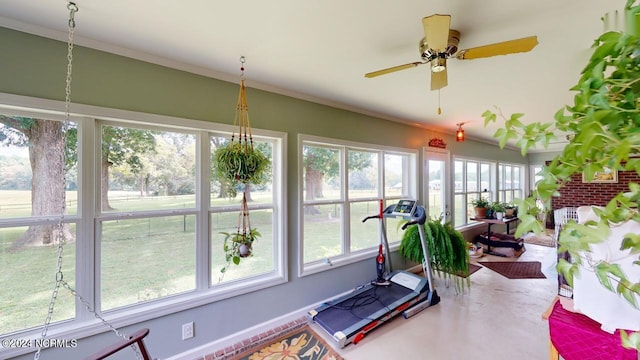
<point>136,338</point>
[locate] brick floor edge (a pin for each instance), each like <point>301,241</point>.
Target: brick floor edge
<point>255,341</point>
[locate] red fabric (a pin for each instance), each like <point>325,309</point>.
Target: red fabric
<point>577,337</point>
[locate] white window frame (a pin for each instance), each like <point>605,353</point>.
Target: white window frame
<point>348,257</point>
<point>88,217</point>
<point>463,189</point>
<point>501,192</point>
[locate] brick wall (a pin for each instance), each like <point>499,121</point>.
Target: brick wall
<point>576,193</point>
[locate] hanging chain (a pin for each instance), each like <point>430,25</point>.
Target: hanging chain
<point>60,228</point>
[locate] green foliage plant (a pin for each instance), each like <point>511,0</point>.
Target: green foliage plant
<point>603,131</point>
<point>237,245</point>
<point>447,248</point>
<point>481,202</point>
<point>497,207</point>
<point>241,162</point>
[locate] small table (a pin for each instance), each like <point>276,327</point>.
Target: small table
<point>490,222</point>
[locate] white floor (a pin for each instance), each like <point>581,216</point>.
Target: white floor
<point>498,318</point>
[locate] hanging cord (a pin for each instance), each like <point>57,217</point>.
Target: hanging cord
<point>60,227</point>
<point>241,119</point>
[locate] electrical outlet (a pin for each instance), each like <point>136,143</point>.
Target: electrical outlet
<point>187,330</point>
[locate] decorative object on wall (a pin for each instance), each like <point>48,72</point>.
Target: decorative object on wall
<point>459,132</point>
<point>608,175</point>
<point>438,142</point>
<point>240,162</point>
<point>603,123</point>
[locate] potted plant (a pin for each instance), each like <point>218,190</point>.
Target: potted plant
<point>510,210</point>
<point>241,162</point>
<point>238,161</point>
<point>237,245</point>
<point>497,208</point>
<point>480,206</point>
<point>601,127</point>
<point>449,251</point>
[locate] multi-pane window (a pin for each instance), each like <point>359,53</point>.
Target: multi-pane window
<point>341,185</point>
<point>142,214</point>
<point>472,179</point>
<point>510,182</point>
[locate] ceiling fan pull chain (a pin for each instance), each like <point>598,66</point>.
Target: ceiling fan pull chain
<point>439,110</point>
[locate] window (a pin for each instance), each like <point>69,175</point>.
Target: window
<point>143,215</point>
<point>510,182</point>
<point>472,179</point>
<point>342,183</point>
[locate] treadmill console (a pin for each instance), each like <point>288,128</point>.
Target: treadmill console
<point>404,208</point>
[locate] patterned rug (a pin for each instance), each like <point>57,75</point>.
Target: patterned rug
<point>516,269</point>
<point>539,239</point>
<point>300,344</point>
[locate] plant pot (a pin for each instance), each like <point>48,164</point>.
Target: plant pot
<point>481,213</point>
<point>499,215</point>
<point>244,250</point>
<point>509,213</point>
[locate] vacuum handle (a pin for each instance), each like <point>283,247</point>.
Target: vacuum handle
<point>370,217</point>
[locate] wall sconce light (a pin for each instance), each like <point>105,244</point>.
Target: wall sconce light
<point>459,133</point>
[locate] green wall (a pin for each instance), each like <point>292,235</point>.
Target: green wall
<point>34,66</point>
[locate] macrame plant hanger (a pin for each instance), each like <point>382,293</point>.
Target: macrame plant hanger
<point>245,139</point>
<point>140,350</point>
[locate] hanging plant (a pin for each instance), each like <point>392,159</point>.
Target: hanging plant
<point>447,248</point>
<point>239,162</point>
<point>237,246</point>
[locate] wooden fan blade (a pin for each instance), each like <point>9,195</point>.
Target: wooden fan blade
<point>436,31</point>
<point>392,69</point>
<point>438,79</point>
<point>501,48</point>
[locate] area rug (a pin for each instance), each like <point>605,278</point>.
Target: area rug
<point>473,268</point>
<point>300,344</point>
<point>516,269</point>
<point>539,239</point>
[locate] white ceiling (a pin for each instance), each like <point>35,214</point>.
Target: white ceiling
<point>320,50</point>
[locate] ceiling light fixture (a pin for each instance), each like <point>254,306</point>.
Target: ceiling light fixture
<point>440,65</point>
<point>460,132</point>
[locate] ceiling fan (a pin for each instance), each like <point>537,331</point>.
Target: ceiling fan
<point>441,43</point>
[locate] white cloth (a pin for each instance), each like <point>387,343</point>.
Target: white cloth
<point>611,310</point>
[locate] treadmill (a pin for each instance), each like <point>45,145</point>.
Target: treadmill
<point>350,317</point>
